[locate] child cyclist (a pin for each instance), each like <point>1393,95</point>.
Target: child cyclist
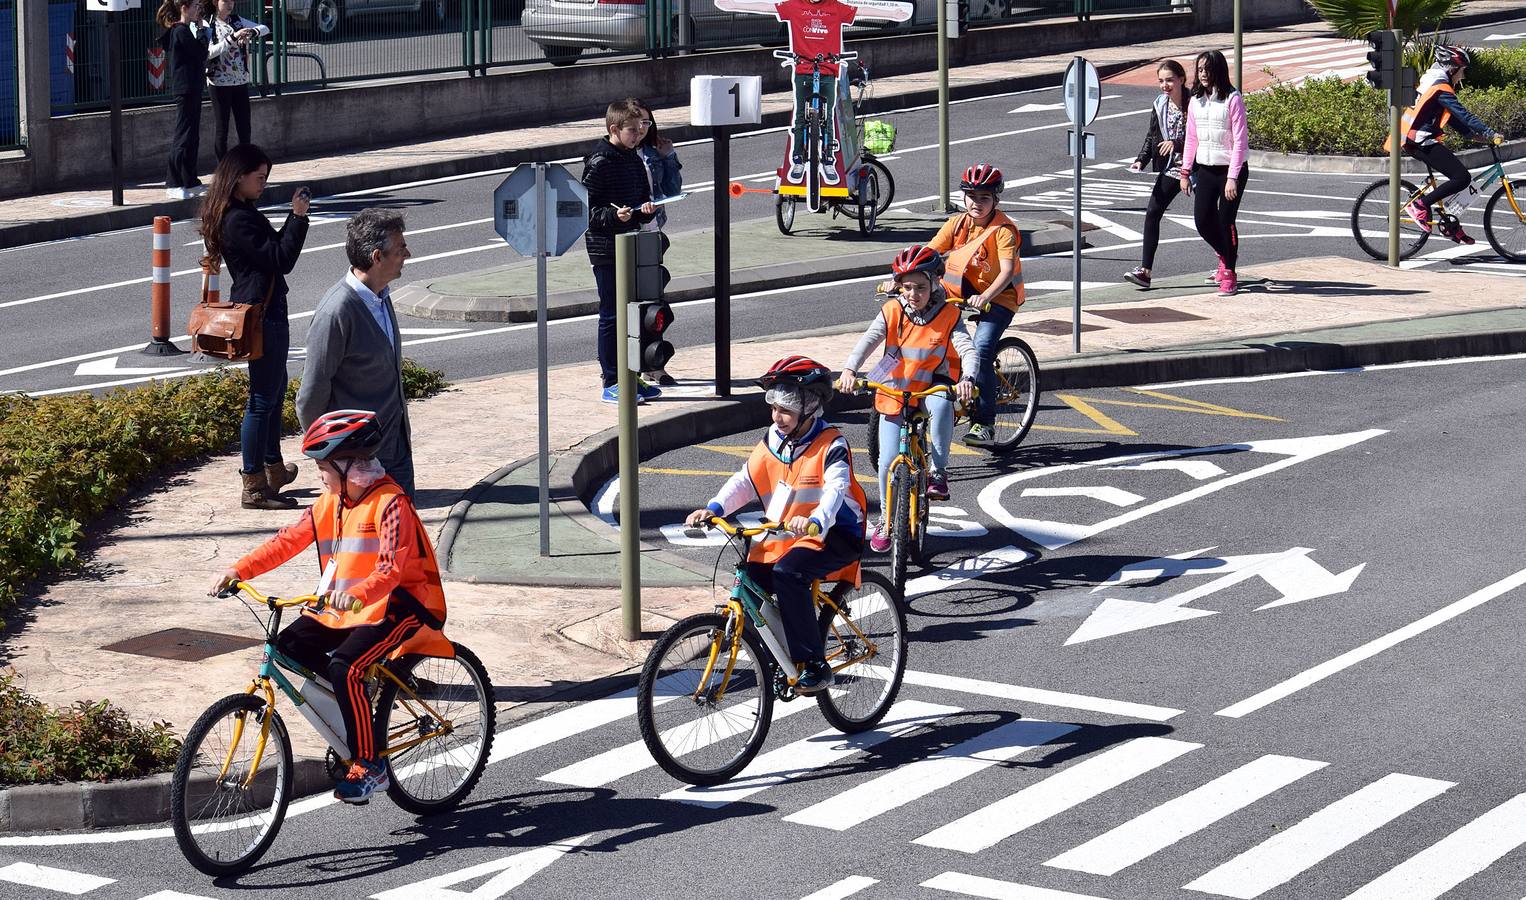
<point>982,251</point>
<point>802,471</point>
<point>925,344</point>
<point>1436,107</point>
<point>371,548</point>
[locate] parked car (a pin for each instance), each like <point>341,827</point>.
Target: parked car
<point>565,28</point>
<point>323,18</point>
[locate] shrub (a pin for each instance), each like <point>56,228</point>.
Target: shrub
<point>65,460</point>
<point>84,742</point>
<point>1322,115</point>
<point>1497,67</point>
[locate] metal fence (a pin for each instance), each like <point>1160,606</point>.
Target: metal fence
<point>314,43</point>
<point>10,81</point>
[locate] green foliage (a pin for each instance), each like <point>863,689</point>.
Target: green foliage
<point>65,460</point>
<point>1357,18</point>
<point>1496,67</point>
<point>84,742</point>
<point>1322,115</point>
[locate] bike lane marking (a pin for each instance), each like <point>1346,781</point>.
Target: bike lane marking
<point>47,878</point>
<point>511,872</point>
<point>847,887</point>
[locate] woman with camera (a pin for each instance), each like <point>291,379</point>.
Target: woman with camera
<point>228,70</point>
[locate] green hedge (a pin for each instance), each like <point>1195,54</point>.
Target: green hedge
<point>84,742</point>
<point>65,460</point>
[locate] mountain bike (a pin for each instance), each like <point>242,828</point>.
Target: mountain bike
<point>233,781</point>
<point>705,699</point>
<point>1504,216</point>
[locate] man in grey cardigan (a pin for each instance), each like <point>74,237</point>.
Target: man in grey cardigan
<point>354,346</point>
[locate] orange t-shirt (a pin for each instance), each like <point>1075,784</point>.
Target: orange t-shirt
<point>1006,241</point>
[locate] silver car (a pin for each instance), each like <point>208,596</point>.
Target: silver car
<point>565,28</point>
<point>324,18</point>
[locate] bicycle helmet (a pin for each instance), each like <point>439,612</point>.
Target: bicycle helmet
<point>918,258</point>
<point>982,177</point>
<point>343,434</point>
<point>1451,56</point>
<point>799,384</point>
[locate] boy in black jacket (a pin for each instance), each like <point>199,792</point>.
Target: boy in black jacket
<point>619,201</point>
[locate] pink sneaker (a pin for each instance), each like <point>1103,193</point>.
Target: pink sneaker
<point>1218,274</point>
<point>1229,284</point>
<point>1421,214</point>
<point>879,541</point>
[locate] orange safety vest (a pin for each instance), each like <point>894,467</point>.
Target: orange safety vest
<point>353,543</point>
<point>972,266</point>
<point>919,350</point>
<point>1407,121</point>
<point>804,476</point>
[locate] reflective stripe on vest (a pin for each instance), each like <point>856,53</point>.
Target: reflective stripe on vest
<point>1407,121</point>
<point>972,267</point>
<point>806,475</point>
<point>356,549</point>
<point>922,350</point>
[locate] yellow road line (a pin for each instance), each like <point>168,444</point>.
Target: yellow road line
<point>1106,423</point>
<point>1182,404</point>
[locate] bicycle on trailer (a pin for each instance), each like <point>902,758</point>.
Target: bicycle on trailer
<point>1504,215</point>
<point>232,784</point>
<point>705,699</point>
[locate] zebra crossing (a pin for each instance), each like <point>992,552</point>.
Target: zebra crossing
<point>1288,62</point>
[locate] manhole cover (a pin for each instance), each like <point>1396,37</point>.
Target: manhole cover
<point>1056,326</point>
<point>1146,315</point>
<point>185,644</point>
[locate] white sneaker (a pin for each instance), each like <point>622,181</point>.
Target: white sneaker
<point>796,173</point>
<point>829,174</point>
<point>199,190</point>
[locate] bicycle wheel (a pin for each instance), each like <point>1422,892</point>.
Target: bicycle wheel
<point>918,520</point>
<point>900,523</point>
<point>872,439</point>
<point>452,719</point>
<point>1369,221</point>
<point>702,724</point>
<point>867,655</point>
<point>868,199</point>
<point>1505,226</point>
<point>813,161</point>
<point>1017,393</point>
<point>887,186</point>
<point>784,214</point>
<point>229,794</point>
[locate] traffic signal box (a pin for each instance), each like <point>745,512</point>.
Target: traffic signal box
<point>1388,70</point>
<point>648,316</point>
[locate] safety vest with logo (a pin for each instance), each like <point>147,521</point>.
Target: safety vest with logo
<point>804,476</point>
<point>919,351</point>
<point>1407,122</point>
<point>973,266</point>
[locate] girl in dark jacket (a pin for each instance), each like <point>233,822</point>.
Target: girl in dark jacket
<point>1162,149</point>
<point>258,258</point>
<point>185,44</point>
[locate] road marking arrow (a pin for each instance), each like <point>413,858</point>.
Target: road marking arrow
<point>108,366</point>
<point>1115,496</point>
<point>1506,37</point>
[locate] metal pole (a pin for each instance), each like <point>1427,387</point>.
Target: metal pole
<point>685,31</point>
<point>114,76</point>
<point>943,173</point>
<point>543,393</point>
<point>722,262</point>
<point>630,455</point>
<point>1239,49</point>
<point>1077,116</point>
<point>1394,187</point>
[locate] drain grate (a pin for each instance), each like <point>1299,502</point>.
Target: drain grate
<point>1149,315</point>
<point>1056,326</point>
<point>184,644</point>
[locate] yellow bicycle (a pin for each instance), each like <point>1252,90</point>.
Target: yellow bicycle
<point>233,780</point>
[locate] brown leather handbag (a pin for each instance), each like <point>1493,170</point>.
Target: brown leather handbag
<point>231,331</point>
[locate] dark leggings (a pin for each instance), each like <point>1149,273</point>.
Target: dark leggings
<point>789,579</point>
<point>185,143</point>
<point>1167,187</point>
<point>1214,215</point>
<point>230,100</point>
<point>1438,157</point>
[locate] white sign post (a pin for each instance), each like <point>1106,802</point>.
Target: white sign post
<point>1083,97</point>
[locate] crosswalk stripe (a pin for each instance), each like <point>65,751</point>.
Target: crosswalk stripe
<point>173,895</point>
<point>1151,832</point>
<point>994,889</point>
<point>811,755</point>
<point>921,777</point>
<point>47,878</point>
<point>844,888</point>
<point>509,872</point>
<point>575,720</point>
<point>988,826</point>
<point>1040,696</point>
<point>1455,858</point>
<point>628,759</point>
<point>1280,858</point>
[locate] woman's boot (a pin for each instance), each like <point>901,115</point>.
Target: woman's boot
<point>258,495</point>
<point>280,474</point>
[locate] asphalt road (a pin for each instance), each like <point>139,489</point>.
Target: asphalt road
<point>1265,650</point>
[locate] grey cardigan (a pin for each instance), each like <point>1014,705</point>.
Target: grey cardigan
<point>351,365</point>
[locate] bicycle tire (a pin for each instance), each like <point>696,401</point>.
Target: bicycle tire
<point>887,186</point>
<point>872,439</point>
<point>1371,204</point>
<point>1017,399</point>
<point>263,804</point>
<point>1509,239</point>
<point>900,524</point>
<point>864,691</point>
<point>689,641</point>
<point>919,521</point>
<point>784,214</point>
<point>813,161</point>
<point>868,199</point>
<point>416,782</point>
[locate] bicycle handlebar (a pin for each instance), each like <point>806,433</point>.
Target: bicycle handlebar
<point>861,383</point>
<point>819,58</point>
<point>731,529</point>
<point>882,293</point>
<point>313,600</point>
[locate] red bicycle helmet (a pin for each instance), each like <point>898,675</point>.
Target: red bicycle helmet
<point>343,434</point>
<point>918,258</point>
<point>796,371</point>
<point>982,177</point>
<point>1451,56</point>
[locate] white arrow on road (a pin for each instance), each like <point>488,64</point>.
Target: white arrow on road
<point>1049,107</point>
<point>108,366</point>
<point>1292,573</point>
<point>1506,37</point>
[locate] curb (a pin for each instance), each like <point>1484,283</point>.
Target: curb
<point>1373,165</point>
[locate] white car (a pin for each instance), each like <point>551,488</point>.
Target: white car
<point>565,28</point>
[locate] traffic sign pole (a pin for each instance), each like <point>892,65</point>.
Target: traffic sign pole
<point>114,77</point>
<point>1083,94</point>
<point>542,362</point>
<point>722,135</point>
<point>630,454</point>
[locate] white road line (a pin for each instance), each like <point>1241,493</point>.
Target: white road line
<point>1108,225</point>
<point>917,779</point>
<point>969,569</point>
<point>569,722</point>
<point>1455,858</point>
<point>1040,696</point>
<point>1153,831</point>
<point>988,826</point>
<point>1105,494</point>
<point>1358,370</point>
<point>173,895</point>
<point>812,754</point>
<point>993,889</point>
<point>60,881</point>
<point>1373,648</point>
<point>1294,850</point>
<point>844,888</point>
<point>508,873</point>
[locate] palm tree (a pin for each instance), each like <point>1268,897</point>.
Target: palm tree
<point>1357,18</point>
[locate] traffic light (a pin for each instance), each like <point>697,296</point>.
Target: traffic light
<point>1406,91</point>
<point>956,14</point>
<point>1383,58</point>
<point>648,315</point>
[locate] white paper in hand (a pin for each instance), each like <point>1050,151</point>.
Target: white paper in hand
<point>887,364</point>
<point>779,502</point>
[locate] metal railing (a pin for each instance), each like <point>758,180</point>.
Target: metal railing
<point>10,81</point>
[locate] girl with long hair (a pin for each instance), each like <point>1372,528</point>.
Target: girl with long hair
<point>1162,150</point>
<point>185,44</point>
<point>257,258</point>
<point>1214,167</point>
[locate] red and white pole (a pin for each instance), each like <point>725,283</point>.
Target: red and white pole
<point>159,293</point>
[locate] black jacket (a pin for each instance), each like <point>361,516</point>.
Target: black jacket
<point>187,58</point>
<point>254,253</point>
<point>614,177</point>
<point>1150,152</point>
